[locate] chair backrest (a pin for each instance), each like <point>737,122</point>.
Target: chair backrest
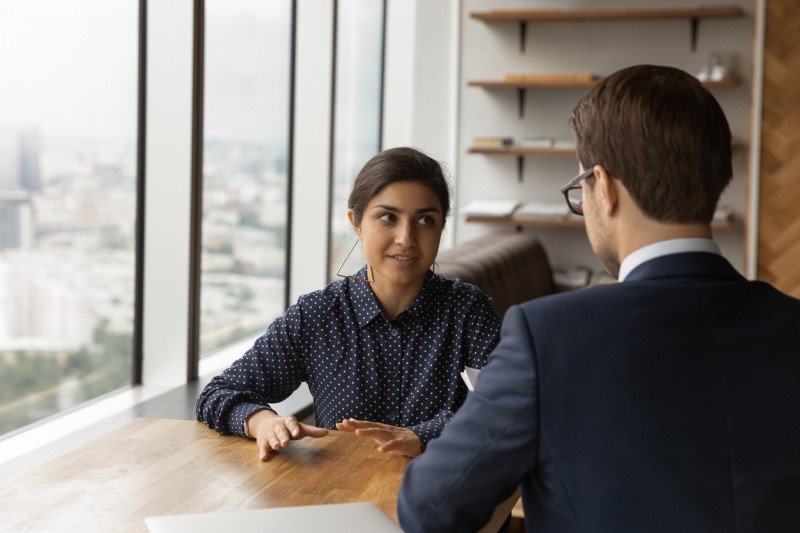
<point>509,267</point>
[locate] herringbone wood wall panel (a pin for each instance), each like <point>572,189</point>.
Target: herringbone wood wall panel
<point>779,196</point>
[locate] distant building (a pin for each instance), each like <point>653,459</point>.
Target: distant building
<point>39,310</point>
<point>16,220</point>
<point>20,153</point>
<point>30,148</point>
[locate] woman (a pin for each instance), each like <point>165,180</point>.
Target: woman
<point>381,351</point>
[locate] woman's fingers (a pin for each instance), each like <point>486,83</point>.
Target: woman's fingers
<point>291,423</point>
<point>311,431</point>
<point>281,431</point>
<point>391,439</point>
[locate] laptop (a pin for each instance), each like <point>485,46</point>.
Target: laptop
<point>331,518</point>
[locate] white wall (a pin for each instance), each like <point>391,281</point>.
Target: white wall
<point>421,83</point>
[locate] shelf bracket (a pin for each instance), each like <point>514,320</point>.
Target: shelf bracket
<point>695,23</point>
<point>521,100</point>
<point>523,30</point>
<point>520,167</point>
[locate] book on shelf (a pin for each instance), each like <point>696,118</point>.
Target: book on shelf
<point>722,214</point>
<point>601,277</point>
<point>537,210</point>
<point>551,78</point>
<point>495,143</point>
<point>535,142</point>
<point>571,277</point>
<point>564,144</point>
<point>482,207</point>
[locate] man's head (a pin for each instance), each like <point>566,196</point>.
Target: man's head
<point>662,135</point>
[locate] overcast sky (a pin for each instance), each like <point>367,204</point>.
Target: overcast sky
<point>71,67</point>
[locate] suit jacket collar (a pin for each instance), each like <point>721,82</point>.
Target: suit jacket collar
<point>701,265</point>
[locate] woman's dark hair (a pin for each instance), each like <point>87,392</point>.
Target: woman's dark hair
<point>663,135</point>
<point>393,165</point>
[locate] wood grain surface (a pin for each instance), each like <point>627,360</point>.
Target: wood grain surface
<point>779,194</point>
<point>159,467</point>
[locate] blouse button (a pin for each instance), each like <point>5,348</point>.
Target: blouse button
<point>394,332</point>
<point>393,373</point>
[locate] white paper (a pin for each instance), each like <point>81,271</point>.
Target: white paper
<point>480,207</point>
<point>470,376</point>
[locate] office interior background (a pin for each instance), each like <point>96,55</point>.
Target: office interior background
<point>174,174</point>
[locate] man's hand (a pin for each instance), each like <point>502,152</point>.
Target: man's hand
<point>273,432</point>
<point>393,439</point>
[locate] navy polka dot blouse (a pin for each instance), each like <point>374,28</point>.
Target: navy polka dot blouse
<point>403,372</point>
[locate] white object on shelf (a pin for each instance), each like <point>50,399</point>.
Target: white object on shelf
<point>482,207</point>
<point>722,214</point>
<point>564,144</point>
<point>556,210</point>
<point>571,277</point>
<point>536,142</point>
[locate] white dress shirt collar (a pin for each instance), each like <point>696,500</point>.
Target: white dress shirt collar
<point>673,246</point>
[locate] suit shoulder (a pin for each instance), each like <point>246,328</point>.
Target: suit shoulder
<point>571,300</point>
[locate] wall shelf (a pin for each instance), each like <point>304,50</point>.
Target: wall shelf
<point>730,81</point>
<point>528,222</point>
<point>529,15</point>
<point>537,84</point>
<point>546,81</point>
<point>524,16</point>
<point>523,152</point>
<point>566,222</point>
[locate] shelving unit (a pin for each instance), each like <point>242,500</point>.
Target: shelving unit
<point>528,15</point>
<point>539,84</point>
<point>730,81</point>
<point>529,222</point>
<point>522,152</point>
<point>543,83</point>
<point>566,222</point>
<point>524,16</point>
<point>579,81</point>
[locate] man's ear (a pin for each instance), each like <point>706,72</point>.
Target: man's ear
<point>607,193</point>
<point>352,217</point>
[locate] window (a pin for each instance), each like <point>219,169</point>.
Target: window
<point>68,72</point>
<point>357,113</point>
<point>245,162</point>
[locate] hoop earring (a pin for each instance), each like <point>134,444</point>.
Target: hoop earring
<point>370,275</point>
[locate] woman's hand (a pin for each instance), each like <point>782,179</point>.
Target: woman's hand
<point>273,432</point>
<point>393,439</point>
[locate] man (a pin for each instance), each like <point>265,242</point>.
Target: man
<point>667,402</point>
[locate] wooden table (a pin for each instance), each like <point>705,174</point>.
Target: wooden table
<point>158,467</point>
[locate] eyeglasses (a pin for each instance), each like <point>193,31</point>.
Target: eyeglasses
<point>573,193</point>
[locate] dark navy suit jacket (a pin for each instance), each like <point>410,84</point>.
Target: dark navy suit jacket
<point>669,402</point>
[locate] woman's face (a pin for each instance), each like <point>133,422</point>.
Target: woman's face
<point>400,229</point>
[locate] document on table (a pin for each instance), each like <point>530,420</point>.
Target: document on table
<point>470,376</point>
<point>332,518</point>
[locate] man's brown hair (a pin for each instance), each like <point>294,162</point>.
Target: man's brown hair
<point>663,135</point>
